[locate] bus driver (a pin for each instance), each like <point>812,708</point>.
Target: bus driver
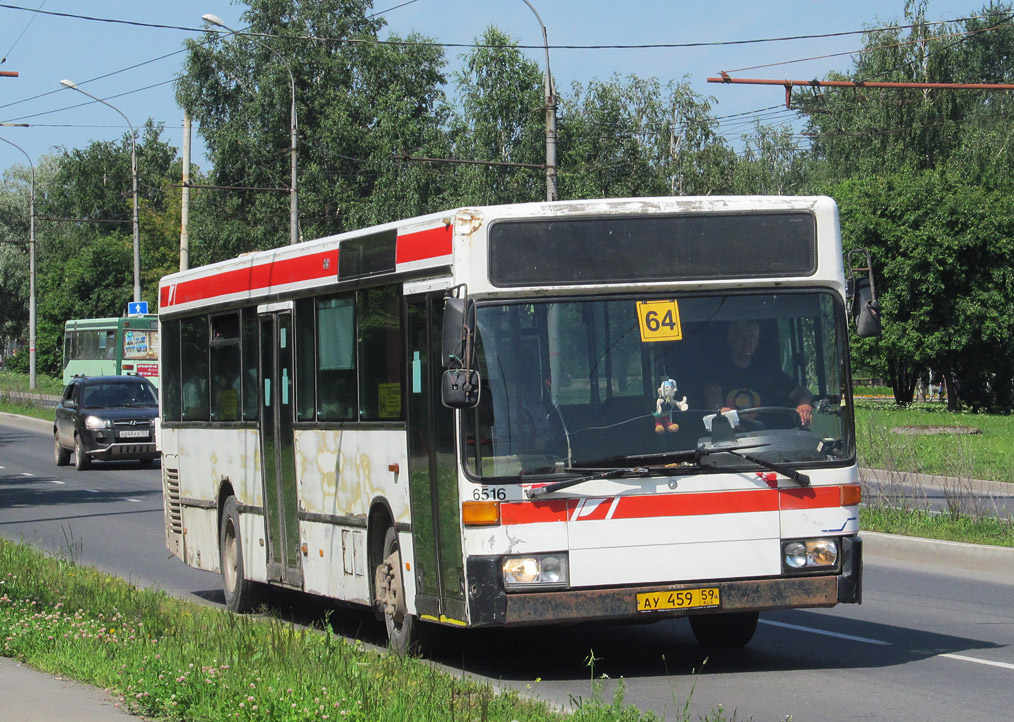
<point>740,383</point>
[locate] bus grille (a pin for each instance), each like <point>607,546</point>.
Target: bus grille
<point>173,507</point>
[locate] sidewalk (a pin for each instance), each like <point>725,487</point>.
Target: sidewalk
<point>31,696</point>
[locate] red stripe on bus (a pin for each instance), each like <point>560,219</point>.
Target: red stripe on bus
<point>421,245</point>
<point>819,497</point>
<point>716,502</point>
<point>532,512</point>
<point>666,505</point>
<point>254,278</point>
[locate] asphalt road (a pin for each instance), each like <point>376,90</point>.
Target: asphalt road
<point>931,641</point>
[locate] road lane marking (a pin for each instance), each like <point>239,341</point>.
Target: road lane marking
<point>55,481</point>
<point>136,501</point>
<point>963,658</point>
<point>838,635</point>
<point>25,473</point>
<point>867,640</point>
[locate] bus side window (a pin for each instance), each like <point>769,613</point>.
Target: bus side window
<point>171,371</point>
<point>225,386</point>
<point>381,358</point>
<point>250,350</point>
<point>336,359</point>
<point>194,364</point>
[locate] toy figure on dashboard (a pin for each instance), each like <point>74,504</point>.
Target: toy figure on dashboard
<point>666,404</point>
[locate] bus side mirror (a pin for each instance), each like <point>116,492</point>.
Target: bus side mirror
<point>862,293</point>
<point>866,309</point>
<point>459,387</point>
<point>458,332</point>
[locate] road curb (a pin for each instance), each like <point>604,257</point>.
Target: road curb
<point>43,424</point>
<point>917,549</point>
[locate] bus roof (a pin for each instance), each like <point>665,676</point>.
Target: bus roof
<point>421,246</point>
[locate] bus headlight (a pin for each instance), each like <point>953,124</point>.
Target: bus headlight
<point>535,570</point>
<point>802,555</point>
<point>94,422</point>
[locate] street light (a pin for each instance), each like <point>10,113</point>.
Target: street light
<point>133,172</point>
<point>31,271</point>
<point>551,192</point>
<point>293,202</point>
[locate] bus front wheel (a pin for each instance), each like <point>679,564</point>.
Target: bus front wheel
<point>240,592</point>
<point>724,630</point>
<point>389,594</point>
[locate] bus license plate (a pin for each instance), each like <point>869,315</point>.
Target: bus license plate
<point>133,433</point>
<point>704,598</point>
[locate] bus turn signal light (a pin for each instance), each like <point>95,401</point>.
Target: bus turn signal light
<point>480,513</point>
<point>851,494</point>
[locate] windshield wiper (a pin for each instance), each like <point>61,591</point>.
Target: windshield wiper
<point>799,478</point>
<point>589,475</point>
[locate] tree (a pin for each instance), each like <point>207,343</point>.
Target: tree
<point>636,137</point>
<point>357,102</point>
<point>944,278</point>
<point>499,116</point>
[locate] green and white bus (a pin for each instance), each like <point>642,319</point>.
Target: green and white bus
<point>111,347</point>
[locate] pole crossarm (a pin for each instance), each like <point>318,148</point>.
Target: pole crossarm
<point>789,84</point>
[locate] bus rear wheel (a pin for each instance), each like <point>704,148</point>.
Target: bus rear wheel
<point>724,630</point>
<point>389,595</point>
<point>240,592</point>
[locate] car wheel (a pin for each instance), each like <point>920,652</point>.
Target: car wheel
<point>60,454</point>
<point>81,460</point>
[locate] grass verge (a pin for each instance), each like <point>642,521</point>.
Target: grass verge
<point>944,526</point>
<point>167,658</point>
<point>11,381</point>
<point>37,412</point>
<point>986,455</point>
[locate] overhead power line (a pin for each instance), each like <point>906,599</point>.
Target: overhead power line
<point>617,46</point>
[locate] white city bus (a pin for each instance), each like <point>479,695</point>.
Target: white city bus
<point>508,416</point>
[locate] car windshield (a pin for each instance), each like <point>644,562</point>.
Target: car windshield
<point>118,393</point>
<point>616,382</point>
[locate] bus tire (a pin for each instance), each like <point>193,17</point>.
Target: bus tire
<point>389,592</point>
<point>81,459</point>
<point>724,630</point>
<point>240,593</point>
<point>60,454</point>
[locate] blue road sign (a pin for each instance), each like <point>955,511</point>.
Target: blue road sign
<point>137,308</point>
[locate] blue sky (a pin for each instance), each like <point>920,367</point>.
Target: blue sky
<point>97,54</point>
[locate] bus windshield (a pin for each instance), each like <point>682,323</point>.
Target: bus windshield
<point>625,381</point>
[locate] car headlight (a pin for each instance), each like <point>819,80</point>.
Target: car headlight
<point>535,570</point>
<point>94,422</point>
<point>803,555</point>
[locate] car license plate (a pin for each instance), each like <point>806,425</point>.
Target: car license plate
<point>133,433</point>
<point>704,598</point>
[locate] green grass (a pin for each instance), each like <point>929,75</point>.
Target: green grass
<point>989,455</point>
<point>38,412</point>
<point>949,527</point>
<point>10,381</point>
<point>167,658</point>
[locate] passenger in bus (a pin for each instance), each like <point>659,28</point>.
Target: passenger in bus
<point>739,381</point>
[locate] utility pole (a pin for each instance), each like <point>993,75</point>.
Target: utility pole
<point>551,191</point>
<point>185,206</point>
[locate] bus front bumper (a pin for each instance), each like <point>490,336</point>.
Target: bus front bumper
<point>490,605</point>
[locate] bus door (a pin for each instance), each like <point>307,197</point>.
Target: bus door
<point>278,461</point>
<point>433,476</point>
